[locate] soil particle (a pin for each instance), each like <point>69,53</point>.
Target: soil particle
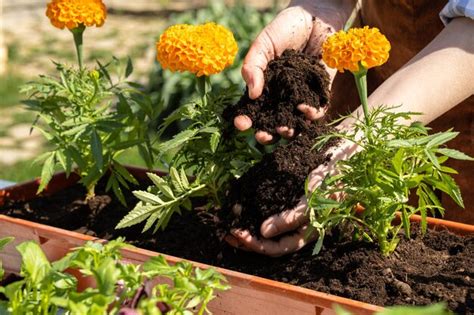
<point>290,80</point>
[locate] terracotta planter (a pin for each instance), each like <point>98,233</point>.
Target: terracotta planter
<point>249,294</point>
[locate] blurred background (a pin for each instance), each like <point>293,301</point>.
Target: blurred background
<point>29,44</point>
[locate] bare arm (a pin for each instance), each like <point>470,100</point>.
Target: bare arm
<point>438,78</point>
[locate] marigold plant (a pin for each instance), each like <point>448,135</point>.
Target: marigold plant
<point>73,13</point>
<point>398,158</point>
<point>201,49</point>
<point>365,47</point>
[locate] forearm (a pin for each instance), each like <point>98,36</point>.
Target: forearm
<point>438,78</point>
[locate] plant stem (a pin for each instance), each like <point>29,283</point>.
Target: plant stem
<point>361,83</point>
<point>203,85</point>
<point>77,33</point>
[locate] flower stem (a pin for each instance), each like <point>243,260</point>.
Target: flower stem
<point>203,86</point>
<point>77,33</point>
<point>361,83</point>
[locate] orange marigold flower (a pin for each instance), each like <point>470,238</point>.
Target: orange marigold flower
<point>72,13</point>
<point>359,46</point>
<point>201,49</point>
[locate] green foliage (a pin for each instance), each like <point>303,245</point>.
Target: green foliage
<point>47,289</point>
<point>9,95</point>
<point>208,150</point>
<point>435,309</point>
<point>90,118</point>
<point>243,20</point>
<point>396,162</point>
<point>3,242</point>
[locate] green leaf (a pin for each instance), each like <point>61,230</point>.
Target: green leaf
<point>435,309</point>
<point>4,241</point>
<point>140,213</point>
<point>124,173</point>
<point>432,157</point>
<point>129,69</point>
<point>35,266</point>
<point>176,180</point>
<point>455,154</point>
<point>181,138</point>
<point>148,197</point>
<point>214,141</point>
<point>319,243</point>
<point>96,146</point>
<point>440,138</point>
<point>397,160</point>
<point>47,172</point>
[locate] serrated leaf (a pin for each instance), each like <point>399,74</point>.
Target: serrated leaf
<point>124,173</point>
<point>137,215</point>
<point>214,141</point>
<point>432,157</point>
<point>47,172</point>
<point>151,220</point>
<point>455,154</point>
<point>440,138</point>
<point>4,241</point>
<point>148,197</point>
<point>176,181</point>
<point>178,140</point>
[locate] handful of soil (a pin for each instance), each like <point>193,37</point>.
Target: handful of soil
<point>276,183</point>
<point>290,80</point>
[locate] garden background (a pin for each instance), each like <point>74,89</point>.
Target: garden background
<point>29,44</point>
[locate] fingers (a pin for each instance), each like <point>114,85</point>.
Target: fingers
<point>286,245</point>
<point>263,137</point>
<point>285,221</point>
<point>291,29</point>
<point>242,122</point>
<point>260,53</point>
<point>312,113</point>
<point>285,132</point>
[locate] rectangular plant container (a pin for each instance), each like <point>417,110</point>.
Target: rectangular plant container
<point>248,294</point>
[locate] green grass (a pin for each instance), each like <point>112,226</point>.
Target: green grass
<point>9,90</point>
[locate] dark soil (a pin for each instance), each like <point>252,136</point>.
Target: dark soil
<point>436,267</point>
<point>276,183</point>
<point>291,79</point>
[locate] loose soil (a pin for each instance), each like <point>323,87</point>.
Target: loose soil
<point>276,183</point>
<point>290,80</point>
<point>426,269</point>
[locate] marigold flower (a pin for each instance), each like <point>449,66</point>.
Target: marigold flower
<point>359,46</point>
<point>72,13</point>
<point>201,49</point>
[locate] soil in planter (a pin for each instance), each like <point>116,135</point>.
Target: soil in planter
<point>290,80</point>
<point>426,269</point>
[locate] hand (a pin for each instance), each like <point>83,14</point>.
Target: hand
<point>303,26</point>
<point>295,219</point>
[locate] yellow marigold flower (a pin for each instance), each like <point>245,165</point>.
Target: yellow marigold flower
<point>72,13</point>
<point>201,49</point>
<point>359,46</point>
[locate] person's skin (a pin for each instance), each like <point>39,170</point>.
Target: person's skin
<point>438,78</point>
<point>303,26</point>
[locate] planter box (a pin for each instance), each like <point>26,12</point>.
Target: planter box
<point>248,294</point>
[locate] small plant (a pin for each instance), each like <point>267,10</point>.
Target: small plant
<point>3,242</point>
<point>46,288</point>
<point>435,309</point>
<point>204,150</point>
<point>90,116</point>
<point>396,161</point>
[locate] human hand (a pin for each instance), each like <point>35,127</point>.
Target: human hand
<point>294,219</point>
<point>303,26</point>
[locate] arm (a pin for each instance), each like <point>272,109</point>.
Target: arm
<point>438,78</point>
